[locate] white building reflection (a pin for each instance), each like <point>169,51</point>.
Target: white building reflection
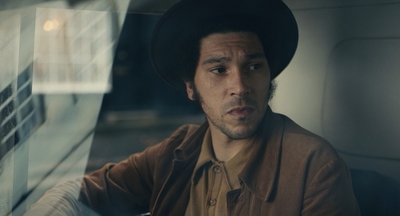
<point>73,51</point>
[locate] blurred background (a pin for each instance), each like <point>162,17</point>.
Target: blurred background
<point>77,89</point>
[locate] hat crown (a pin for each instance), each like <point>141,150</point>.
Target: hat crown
<point>272,18</point>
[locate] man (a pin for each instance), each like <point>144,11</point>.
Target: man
<point>245,159</point>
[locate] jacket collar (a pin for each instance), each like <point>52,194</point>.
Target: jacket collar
<point>191,143</point>
<point>261,171</point>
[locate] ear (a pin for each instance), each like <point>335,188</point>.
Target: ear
<point>189,90</point>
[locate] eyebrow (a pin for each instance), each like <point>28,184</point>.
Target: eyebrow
<point>213,60</point>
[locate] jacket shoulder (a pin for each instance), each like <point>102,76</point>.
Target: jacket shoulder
<point>305,144</point>
<point>293,129</point>
<point>179,136</point>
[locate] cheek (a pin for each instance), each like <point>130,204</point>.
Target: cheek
<point>261,82</point>
<point>210,83</point>
<point>207,86</point>
<point>214,87</point>
<point>262,89</point>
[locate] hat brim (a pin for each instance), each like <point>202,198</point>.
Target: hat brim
<point>273,16</point>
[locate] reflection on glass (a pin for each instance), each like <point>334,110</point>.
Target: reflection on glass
<point>51,57</point>
<point>51,25</point>
<point>73,51</point>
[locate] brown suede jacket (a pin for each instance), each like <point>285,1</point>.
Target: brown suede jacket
<point>290,172</point>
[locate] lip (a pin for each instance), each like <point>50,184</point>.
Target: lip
<point>242,111</point>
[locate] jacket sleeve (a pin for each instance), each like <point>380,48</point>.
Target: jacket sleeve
<point>123,188</point>
<point>330,192</point>
<point>116,189</point>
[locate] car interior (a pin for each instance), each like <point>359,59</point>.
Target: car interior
<point>77,91</point>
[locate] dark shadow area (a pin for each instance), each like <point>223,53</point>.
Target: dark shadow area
<point>376,194</point>
<point>142,109</point>
<point>135,84</point>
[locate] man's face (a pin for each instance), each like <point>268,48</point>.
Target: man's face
<point>232,81</point>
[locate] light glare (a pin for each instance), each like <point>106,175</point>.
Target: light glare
<point>48,26</point>
<point>51,25</point>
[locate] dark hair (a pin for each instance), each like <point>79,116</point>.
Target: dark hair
<point>188,49</point>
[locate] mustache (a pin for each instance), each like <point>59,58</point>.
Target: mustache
<point>240,101</point>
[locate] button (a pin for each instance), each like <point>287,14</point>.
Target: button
<point>217,169</point>
<point>213,202</point>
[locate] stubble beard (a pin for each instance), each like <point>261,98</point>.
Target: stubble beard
<point>247,132</point>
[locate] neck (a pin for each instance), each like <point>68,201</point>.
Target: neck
<point>224,147</point>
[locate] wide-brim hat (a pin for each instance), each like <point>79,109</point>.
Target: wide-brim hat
<point>273,20</point>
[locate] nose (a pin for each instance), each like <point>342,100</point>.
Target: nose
<point>238,84</point>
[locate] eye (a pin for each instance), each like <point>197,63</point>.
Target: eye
<point>219,70</point>
<point>255,66</point>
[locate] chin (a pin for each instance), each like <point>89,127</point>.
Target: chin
<point>241,133</point>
